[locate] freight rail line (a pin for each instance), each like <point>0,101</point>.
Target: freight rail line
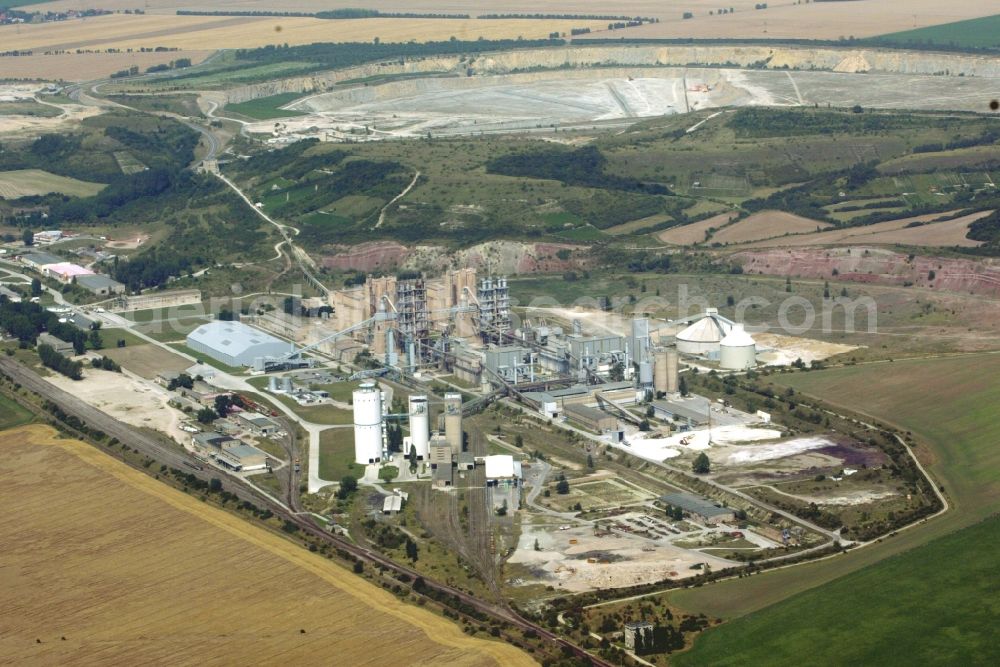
<point>162,453</point>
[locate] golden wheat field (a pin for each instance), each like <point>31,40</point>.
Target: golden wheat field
<point>87,66</point>
<point>104,564</point>
<point>129,31</point>
<point>782,18</point>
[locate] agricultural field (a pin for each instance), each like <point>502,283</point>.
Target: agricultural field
<point>130,31</point>
<point>765,225</point>
<point>73,67</point>
<point>307,605</point>
<point>29,182</point>
<point>924,230</point>
<point>815,20</point>
<point>943,609</point>
<point>981,33</point>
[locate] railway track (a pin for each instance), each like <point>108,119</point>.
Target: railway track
<point>170,456</point>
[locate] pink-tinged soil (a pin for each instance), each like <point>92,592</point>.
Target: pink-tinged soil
<point>876,265</point>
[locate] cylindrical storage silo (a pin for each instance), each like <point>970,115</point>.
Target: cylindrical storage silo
<point>645,373</point>
<point>272,383</point>
<point>673,371</point>
<point>737,351</point>
<point>420,426</point>
<point>453,421</point>
<point>367,424</point>
<point>286,384</point>
<point>660,371</point>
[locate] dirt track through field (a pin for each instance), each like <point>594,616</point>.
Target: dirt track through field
<point>129,570</point>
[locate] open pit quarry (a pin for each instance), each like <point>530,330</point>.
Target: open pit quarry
<point>577,88</point>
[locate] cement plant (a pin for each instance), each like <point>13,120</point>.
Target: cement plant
<point>432,333</point>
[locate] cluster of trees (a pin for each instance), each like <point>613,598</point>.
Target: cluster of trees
<point>25,320</point>
<point>60,364</point>
<point>106,364</point>
<point>574,17</point>
<point>583,166</point>
<point>346,54</point>
<point>183,381</point>
<point>987,138</point>
<point>758,123</point>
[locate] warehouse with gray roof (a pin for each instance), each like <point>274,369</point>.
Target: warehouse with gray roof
<point>236,344</point>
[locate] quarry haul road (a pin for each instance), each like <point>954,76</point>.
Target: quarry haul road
<point>164,454</point>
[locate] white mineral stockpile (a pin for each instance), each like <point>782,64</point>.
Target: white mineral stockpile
<point>659,449</point>
<point>777,451</point>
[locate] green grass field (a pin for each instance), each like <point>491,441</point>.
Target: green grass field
<point>982,33</point>
<point>935,605</point>
<point>28,108</point>
<point>265,108</point>
<point>336,455</point>
<point>12,414</point>
<point>949,405</point>
<point>27,182</point>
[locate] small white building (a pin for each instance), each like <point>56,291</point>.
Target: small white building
<point>502,469</point>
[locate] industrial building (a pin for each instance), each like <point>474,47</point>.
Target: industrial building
<point>502,469</point>
<point>36,260</point>
<point>638,636</point>
<point>58,344</point>
<point>65,272</point>
<point>100,284</point>
<point>242,457</point>
<point>237,344</point>
<point>591,418</point>
<point>699,508</point>
<point>258,424</point>
<point>693,411</point>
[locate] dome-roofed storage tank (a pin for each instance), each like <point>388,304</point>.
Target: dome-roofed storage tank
<point>703,336</point>
<point>737,351</point>
<point>367,424</point>
<point>420,426</point>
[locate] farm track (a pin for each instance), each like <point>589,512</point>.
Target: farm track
<point>165,454</point>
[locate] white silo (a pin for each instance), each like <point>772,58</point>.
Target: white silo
<point>737,351</point>
<point>272,384</point>
<point>367,424</point>
<point>420,426</point>
<point>286,384</point>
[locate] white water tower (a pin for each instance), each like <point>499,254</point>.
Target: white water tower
<point>367,424</point>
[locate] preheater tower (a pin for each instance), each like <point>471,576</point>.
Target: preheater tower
<point>367,424</point>
<point>453,421</point>
<point>420,426</point>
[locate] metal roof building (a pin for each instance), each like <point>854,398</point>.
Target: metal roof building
<point>700,507</point>
<point>235,343</point>
<point>100,284</point>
